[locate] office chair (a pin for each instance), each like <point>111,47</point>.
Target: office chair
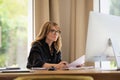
<point>55,77</point>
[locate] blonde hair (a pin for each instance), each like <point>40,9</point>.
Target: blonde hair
<point>45,29</point>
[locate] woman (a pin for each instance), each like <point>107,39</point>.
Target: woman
<point>46,49</point>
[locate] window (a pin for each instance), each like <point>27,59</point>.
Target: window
<point>110,7</point>
<point>15,32</point>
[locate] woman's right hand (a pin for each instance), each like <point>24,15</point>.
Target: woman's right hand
<point>62,64</point>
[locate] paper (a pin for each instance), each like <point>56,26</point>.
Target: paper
<point>78,61</point>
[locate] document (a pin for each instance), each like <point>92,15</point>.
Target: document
<point>77,62</point>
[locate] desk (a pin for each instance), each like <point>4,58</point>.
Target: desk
<point>96,74</point>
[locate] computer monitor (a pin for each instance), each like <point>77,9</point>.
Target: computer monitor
<point>100,28</point>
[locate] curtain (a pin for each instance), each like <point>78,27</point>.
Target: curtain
<point>45,10</point>
<point>78,28</point>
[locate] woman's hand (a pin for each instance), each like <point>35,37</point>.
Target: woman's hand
<point>80,65</point>
<point>62,64</point>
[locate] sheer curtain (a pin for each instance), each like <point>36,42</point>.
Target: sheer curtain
<point>72,15</point>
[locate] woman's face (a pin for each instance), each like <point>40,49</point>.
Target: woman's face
<point>53,34</point>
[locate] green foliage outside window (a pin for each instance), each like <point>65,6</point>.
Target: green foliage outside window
<point>13,23</point>
<point>115,7</point>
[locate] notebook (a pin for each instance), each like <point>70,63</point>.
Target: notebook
<point>13,70</point>
<point>16,71</point>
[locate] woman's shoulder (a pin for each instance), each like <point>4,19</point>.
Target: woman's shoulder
<point>37,43</point>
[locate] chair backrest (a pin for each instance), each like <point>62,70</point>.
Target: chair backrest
<point>55,78</point>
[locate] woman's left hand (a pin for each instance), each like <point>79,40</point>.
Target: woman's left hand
<point>80,65</point>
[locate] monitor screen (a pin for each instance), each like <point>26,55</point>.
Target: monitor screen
<point>100,28</point>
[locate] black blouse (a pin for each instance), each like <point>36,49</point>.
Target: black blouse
<point>40,54</point>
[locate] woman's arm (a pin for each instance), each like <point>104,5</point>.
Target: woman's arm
<point>62,64</point>
<point>34,58</point>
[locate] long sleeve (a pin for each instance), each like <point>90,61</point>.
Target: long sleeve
<point>35,57</point>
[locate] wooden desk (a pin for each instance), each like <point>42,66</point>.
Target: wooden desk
<point>96,74</point>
